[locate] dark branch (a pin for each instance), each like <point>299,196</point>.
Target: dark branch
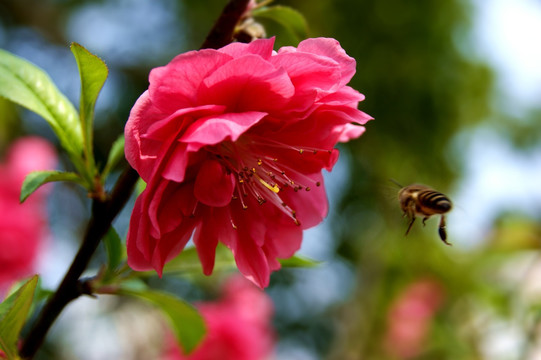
<point>103,214</point>
<point>224,28</point>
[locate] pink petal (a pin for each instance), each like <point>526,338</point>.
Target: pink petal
<point>212,130</point>
<point>251,260</point>
<point>344,96</point>
<point>331,48</point>
<point>162,129</point>
<point>309,70</point>
<point>261,47</point>
<point>169,245</point>
<point>216,225</point>
<point>310,206</point>
<point>248,83</point>
<point>177,202</point>
<point>283,241</point>
<point>175,85</point>
<point>214,185</point>
<point>137,124</point>
<point>138,240</point>
<point>351,131</point>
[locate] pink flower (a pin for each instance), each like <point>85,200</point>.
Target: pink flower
<point>238,326</point>
<point>22,226</point>
<point>410,317</point>
<point>231,143</point>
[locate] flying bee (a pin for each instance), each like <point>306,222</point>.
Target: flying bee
<point>419,200</point>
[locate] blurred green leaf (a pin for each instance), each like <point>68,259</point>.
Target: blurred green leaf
<point>292,20</point>
<point>188,261</point>
<point>93,73</point>
<point>140,186</point>
<point>13,313</point>
<point>35,179</point>
<point>29,86</point>
<point>115,155</point>
<point>187,323</point>
<point>299,261</point>
<point>114,249</point>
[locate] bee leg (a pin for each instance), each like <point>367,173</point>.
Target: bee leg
<point>410,225</point>
<point>424,219</point>
<point>441,231</point>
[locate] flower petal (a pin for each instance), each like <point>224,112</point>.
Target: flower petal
<point>248,83</point>
<point>215,129</point>
<point>331,48</point>
<point>175,85</point>
<point>261,47</point>
<point>214,185</point>
<point>216,225</point>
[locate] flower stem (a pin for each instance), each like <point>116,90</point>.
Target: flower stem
<point>103,213</point>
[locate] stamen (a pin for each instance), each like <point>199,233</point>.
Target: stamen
<point>248,160</point>
<point>274,188</point>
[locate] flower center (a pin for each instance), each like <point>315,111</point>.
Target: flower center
<point>263,176</point>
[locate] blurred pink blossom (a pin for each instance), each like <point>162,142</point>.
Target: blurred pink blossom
<point>23,227</point>
<point>238,326</point>
<point>410,317</point>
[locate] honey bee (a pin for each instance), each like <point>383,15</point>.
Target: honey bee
<point>419,200</point>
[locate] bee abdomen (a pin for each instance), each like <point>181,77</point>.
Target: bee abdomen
<point>434,200</point>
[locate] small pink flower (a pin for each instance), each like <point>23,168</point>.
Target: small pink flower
<point>238,326</point>
<point>231,143</point>
<point>22,226</point>
<point>410,317</point>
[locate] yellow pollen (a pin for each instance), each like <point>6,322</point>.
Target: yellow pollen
<point>274,188</point>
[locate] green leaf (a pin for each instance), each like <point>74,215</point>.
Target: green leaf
<point>13,313</point>
<point>187,323</point>
<point>29,86</point>
<point>115,155</point>
<point>292,20</point>
<point>113,247</point>
<point>188,261</point>
<point>93,73</point>
<point>35,179</point>
<point>299,261</point>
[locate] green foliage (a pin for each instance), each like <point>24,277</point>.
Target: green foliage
<point>186,322</point>
<point>116,154</point>
<point>292,21</point>
<point>115,251</point>
<point>299,261</point>
<point>93,73</point>
<point>13,313</point>
<point>188,262</point>
<point>29,86</point>
<point>35,179</point>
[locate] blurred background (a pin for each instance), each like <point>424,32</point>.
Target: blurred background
<point>455,88</point>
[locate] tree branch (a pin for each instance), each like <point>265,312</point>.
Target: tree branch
<point>224,28</point>
<point>104,212</point>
